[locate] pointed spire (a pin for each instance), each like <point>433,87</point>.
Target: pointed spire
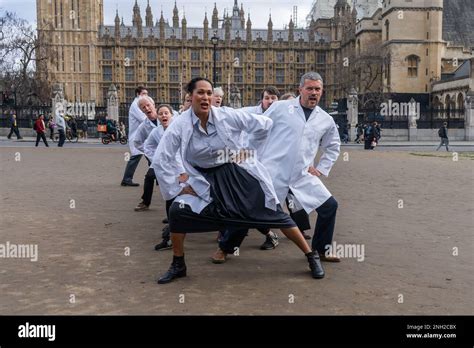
<point>242,16</point>
<point>162,26</point>
<point>291,27</point>
<point>249,30</point>
<point>122,24</point>
<point>117,25</point>
<point>235,9</point>
<point>270,30</point>
<point>270,23</point>
<point>149,15</point>
<point>206,28</point>
<point>215,18</point>
<point>117,18</point>
<point>184,23</point>
<point>175,16</point>
<point>137,18</point>
<point>354,12</point>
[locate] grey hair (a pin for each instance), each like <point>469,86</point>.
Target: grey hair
<point>314,76</point>
<point>219,90</point>
<point>147,98</point>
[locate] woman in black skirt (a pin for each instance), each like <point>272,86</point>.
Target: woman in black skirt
<point>227,187</point>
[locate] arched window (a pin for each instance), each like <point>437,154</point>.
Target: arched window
<point>413,62</point>
<point>388,68</point>
<point>460,103</point>
<point>387,30</point>
<point>358,47</point>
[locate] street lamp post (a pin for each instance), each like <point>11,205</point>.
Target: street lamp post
<point>215,41</point>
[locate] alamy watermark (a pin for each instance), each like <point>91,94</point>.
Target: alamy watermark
<point>77,109</point>
<point>400,109</point>
<point>20,251</point>
<point>356,251</point>
<point>37,331</point>
<point>236,156</point>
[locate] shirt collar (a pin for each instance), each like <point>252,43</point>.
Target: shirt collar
<point>196,119</point>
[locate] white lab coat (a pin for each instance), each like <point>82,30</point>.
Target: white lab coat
<point>142,133</point>
<point>292,147</point>
<point>244,139</point>
<point>135,119</point>
<point>229,124</point>
<point>151,145</point>
<point>152,142</point>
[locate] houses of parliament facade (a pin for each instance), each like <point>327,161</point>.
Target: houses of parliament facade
<point>163,54</point>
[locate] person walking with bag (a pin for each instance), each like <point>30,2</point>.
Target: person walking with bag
<point>443,134</point>
<point>40,128</point>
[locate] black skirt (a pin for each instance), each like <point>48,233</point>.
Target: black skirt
<point>238,201</point>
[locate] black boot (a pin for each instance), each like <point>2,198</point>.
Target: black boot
<point>176,270</point>
<point>317,270</point>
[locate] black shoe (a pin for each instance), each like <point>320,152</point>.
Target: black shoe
<point>166,232</point>
<point>176,270</point>
<point>271,241</point>
<point>305,235</point>
<point>131,183</point>
<point>164,245</point>
<point>165,221</point>
<point>315,266</point>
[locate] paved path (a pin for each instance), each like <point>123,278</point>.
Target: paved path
<point>83,268</point>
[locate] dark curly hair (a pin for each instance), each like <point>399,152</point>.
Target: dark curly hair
<point>191,86</point>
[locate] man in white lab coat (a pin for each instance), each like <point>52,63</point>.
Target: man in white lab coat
<point>300,128</point>
<point>135,118</point>
<point>147,105</point>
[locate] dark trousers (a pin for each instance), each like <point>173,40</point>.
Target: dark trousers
<point>323,232</point>
<point>368,143</point>
<point>444,141</point>
<point>300,217</point>
<point>132,165</point>
<point>148,184</point>
<point>166,232</point>
<point>41,136</point>
<point>14,129</point>
<point>62,137</point>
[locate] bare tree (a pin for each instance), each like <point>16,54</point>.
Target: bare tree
<point>363,71</point>
<point>22,56</point>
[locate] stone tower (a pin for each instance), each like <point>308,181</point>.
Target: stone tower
<point>412,36</point>
<point>70,29</point>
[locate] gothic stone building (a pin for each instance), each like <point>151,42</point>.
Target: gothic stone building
<point>163,55</point>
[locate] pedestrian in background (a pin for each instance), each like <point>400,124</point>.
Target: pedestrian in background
<point>122,130</point>
<point>61,125</point>
<point>84,129</point>
<point>51,126</point>
<point>40,128</point>
<point>443,134</point>
<point>14,128</point>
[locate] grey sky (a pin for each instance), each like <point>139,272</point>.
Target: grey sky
<point>194,9</point>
